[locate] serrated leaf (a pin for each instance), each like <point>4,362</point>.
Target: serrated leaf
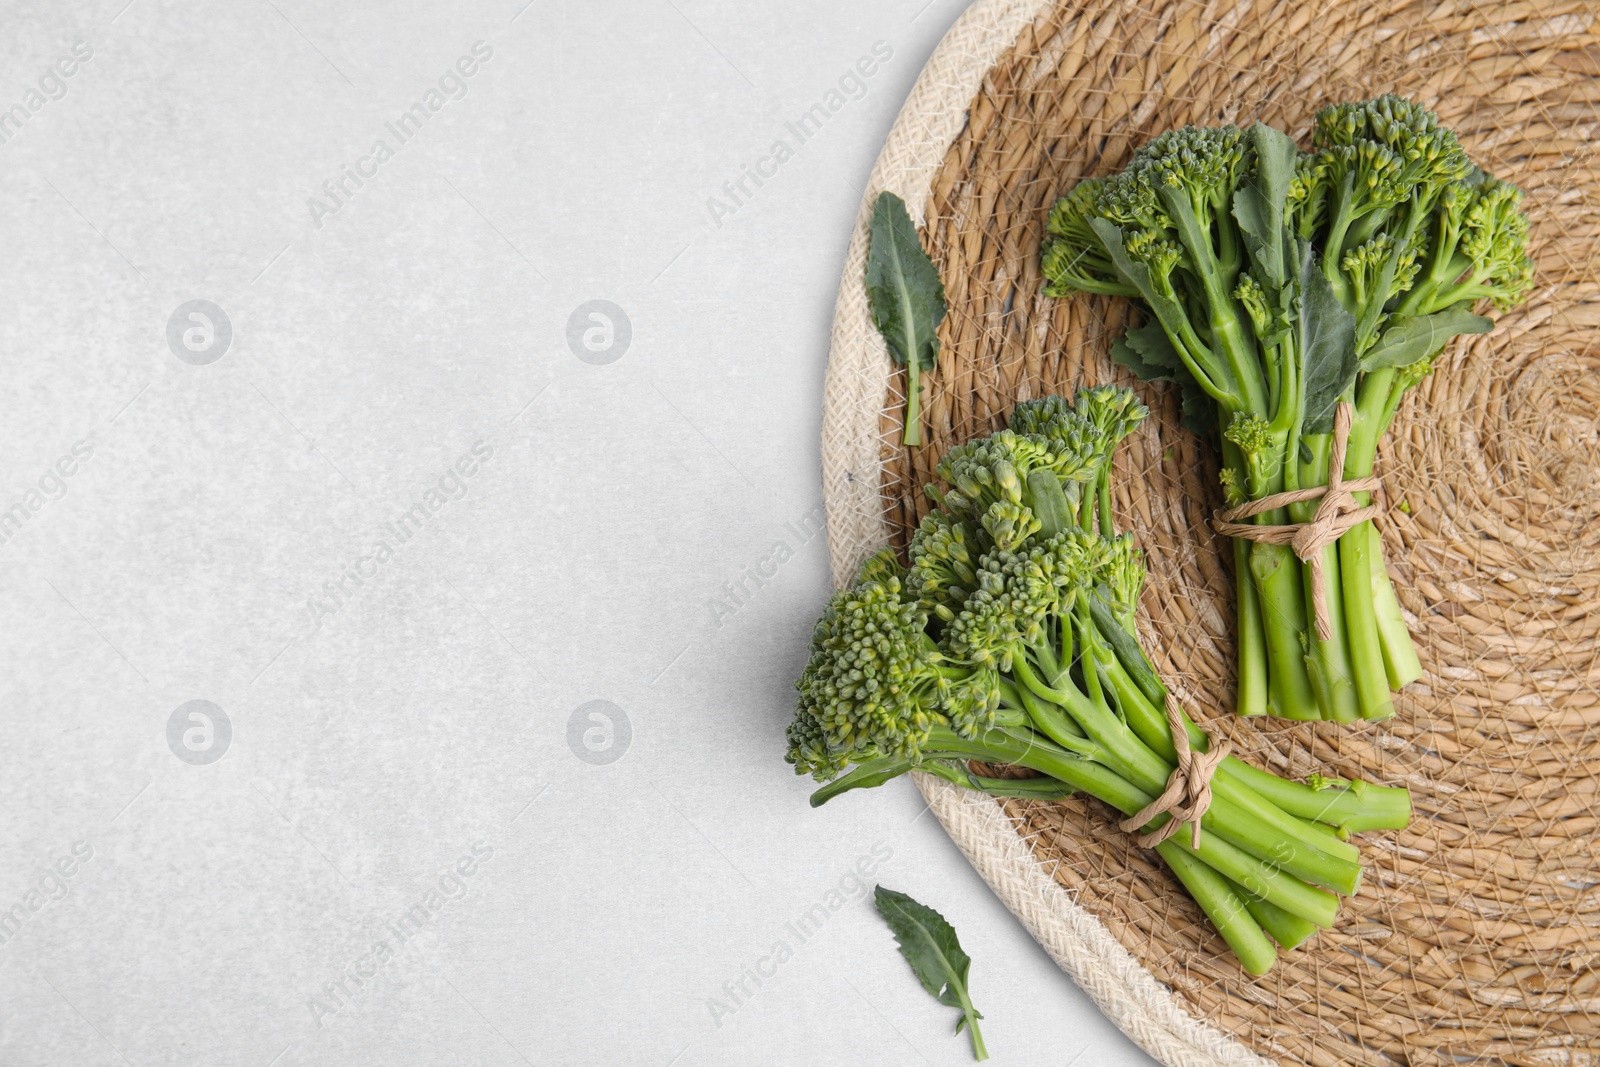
<point>1199,410</point>
<point>930,945</point>
<point>903,286</point>
<point>1327,341</point>
<point>1259,203</point>
<point>1147,351</point>
<point>1404,341</point>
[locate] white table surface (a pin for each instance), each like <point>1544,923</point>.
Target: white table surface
<point>393,712</point>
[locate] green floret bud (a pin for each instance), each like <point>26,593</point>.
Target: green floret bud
<point>872,683</point>
<point>1204,162</point>
<point>1250,294</point>
<point>1494,237</point>
<point>1251,433</point>
<point>1154,249</point>
<point>1128,200</point>
<point>1428,151</point>
<point>1374,172</point>
<point>1123,574</point>
<point>972,704</point>
<point>808,749</point>
<point>1074,258</point>
<point>1113,411</point>
<point>1253,436</point>
<point>1009,524</point>
<point>1409,376</point>
<point>1364,265</point>
<point>1019,590</point>
<point>1306,206</point>
<point>944,552</point>
<point>878,567</point>
<point>1075,443</point>
<point>992,469</point>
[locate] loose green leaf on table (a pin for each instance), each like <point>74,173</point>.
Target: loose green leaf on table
<point>929,944</point>
<point>907,300</point>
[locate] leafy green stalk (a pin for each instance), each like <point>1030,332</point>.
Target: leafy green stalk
<point>1010,639</point>
<point>1277,284</point>
<point>930,945</point>
<point>907,300</point>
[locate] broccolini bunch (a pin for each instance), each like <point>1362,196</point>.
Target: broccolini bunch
<point>1010,639</point>
<point>1279,283</point>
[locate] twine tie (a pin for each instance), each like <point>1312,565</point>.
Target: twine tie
<point>1337,513</point>
<point>1188,791</point>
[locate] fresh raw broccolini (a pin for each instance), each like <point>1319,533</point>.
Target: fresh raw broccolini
<point>1277,284</point>
<point>1010,639</point>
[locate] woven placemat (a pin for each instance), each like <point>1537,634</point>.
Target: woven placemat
<point>1479,938</point>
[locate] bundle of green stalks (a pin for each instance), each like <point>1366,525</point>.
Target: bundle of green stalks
<point>1277,284</point>
<point>1011,640</point>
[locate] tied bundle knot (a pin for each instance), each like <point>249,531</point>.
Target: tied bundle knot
<point>1188,793</point>
<point>1337,513</point>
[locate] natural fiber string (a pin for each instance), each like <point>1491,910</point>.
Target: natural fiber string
<point>1337,513</point>
<point>1188,791</point>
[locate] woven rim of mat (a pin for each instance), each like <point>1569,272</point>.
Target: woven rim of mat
<point>1480,937</point>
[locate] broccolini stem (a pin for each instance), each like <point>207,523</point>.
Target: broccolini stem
<point>1107,527</point>
<point>1281,592</point>
<point>1228,332</point>
<point>1251,698</point>
<point>1236,815</point>
<point>1289,931</point>
<point>1151,726</point>
<point>1370,807</point>
<point>1378,396</point>
<point>1275,574</point>
<point>1226,906</point>
<point>1361,621</point>
<point>1263,878</point>
<point>1400,660</point>
<point>1327,662</point>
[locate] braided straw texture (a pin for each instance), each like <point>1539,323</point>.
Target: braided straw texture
<point>1479,938</point>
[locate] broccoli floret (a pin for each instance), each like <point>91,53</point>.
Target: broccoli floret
<point>1478,249</point>
<point>1123,575</point>
<point>1203,163</point>
<point>1009,524</point>
<point>878,567</point>
<point>1114,413</point>
<point>1077,445</point>
<point>1075,259</point>
<point>943,553</point>
<point>872,683</point>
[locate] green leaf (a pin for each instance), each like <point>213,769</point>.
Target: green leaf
<point>1327,341</point>
<point>1259,205</point>
<point>903,286</point>
<point>1148,352</point>
<point>1199,411</point>
<point>1406,340</point>
<point>929,944</point>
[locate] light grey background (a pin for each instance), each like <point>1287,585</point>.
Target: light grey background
<point>379,736</point>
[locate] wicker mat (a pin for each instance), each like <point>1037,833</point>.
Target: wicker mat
<point>1479,938</point>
